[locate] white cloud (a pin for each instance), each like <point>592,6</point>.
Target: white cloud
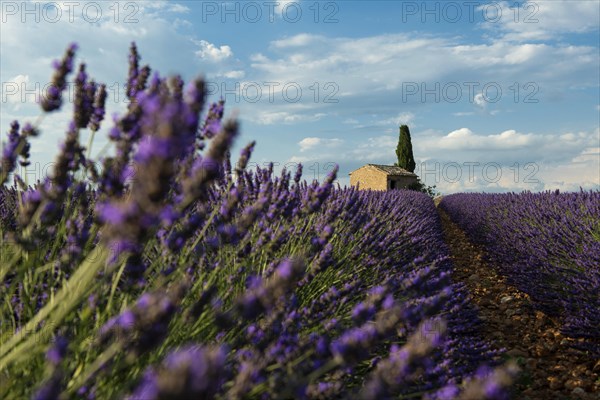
<point>370,66</point>
<point>285,117</point>
<point>16,91</point>
<point>479,100</point>
<point>583,171</point>
<point>127,32</point>
<point>465,139</point>
<point>103,46</point>
<point>310,143</point>
<point>258,58</point>
<point>463,114</point>
<point>164,6</point>
<point>377,149</point>
<point>210,52</point>
<point>524,53</point>
<point>178,23</point>
<point>591,154</point>
<point>234,74</point>
<point>354,64</point>
<point>299,159</point>
<point>179,8</point>
<point>300,40</point>
<point>404,118</point>
<point>285,6</point>
<point>379,142</point>
<point>533,161</point>
<point>542,19</point>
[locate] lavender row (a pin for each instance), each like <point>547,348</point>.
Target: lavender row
<point>202,279</point>
<point>548,245</point>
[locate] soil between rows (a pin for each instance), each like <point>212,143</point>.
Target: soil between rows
<point>550,368</point>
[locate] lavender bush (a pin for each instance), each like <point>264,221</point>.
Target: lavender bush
<point>197,278</point>
<point>548,245</point>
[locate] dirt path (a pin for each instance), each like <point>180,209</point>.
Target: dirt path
<point>551,370</point>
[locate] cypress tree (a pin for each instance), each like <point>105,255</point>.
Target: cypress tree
<point>404,151</point>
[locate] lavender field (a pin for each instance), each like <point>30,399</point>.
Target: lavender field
<point>196,277</point>
<point>548,245</point>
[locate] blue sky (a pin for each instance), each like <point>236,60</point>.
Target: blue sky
<point>499,96</point>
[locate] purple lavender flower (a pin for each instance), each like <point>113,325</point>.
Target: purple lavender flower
<point>57,351</point>
<point>212,123</point>
<point>144,325</point>
<point>266,296</point>
<point>84,98</point>
<point>190,372</point>
<point>134,59</point>
<point>448,392</point>
<point>397,369</point>
<point>354,345</point>
<point>207,169</point>
<point>243,160</point>
<point>169,128</point>
<point>17,146</point>
<point>10,151</point>
<point>53,100</point>
<point>98,108</point>
<point>50,390</point>
<point>492,384</point>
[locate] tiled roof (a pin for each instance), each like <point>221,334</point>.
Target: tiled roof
<point>392,170</point>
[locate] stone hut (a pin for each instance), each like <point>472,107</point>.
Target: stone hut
<point>381,177</point>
